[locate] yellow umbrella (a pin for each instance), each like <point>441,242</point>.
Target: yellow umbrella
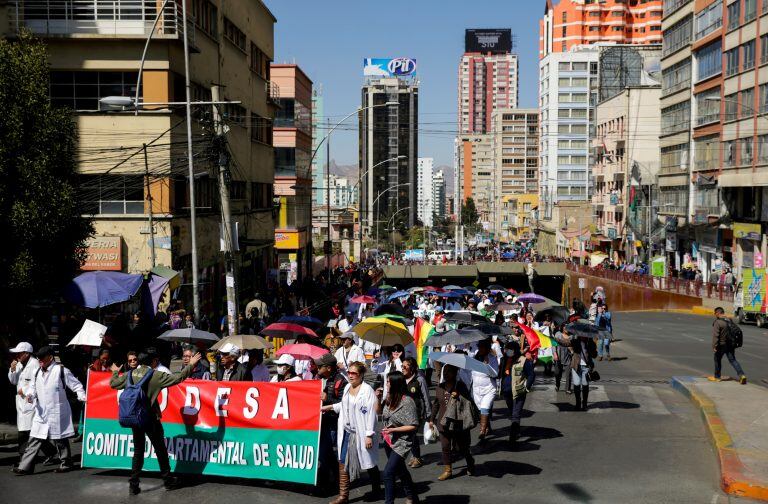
<point>383,331</point>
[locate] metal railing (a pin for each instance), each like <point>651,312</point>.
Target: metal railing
<point>273,91</point>
<point>127,18</point>
<point>695,288</point>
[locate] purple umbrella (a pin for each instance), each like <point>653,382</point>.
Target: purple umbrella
<point>531,298</point>
<point>95,289</point>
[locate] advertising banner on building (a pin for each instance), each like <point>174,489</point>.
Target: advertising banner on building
<point>747,231</point>
<point>255,430</point>
<point>416,255</point>
<point>488,40</point>
<point>389,67</point>
<point>104,253</point>
<point>753,285</point>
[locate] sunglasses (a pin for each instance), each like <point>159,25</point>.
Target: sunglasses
<point>353,373</point>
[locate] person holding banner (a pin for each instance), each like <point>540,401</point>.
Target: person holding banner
<point>334,383</point>
<point>154,432</point>
<point>357,430</point>
<point>286,370</point>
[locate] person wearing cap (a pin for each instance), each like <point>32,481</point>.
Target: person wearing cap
<point>21,374</point>
<point>439,315</point>
<point>52,418</point>
<point>157,382</point>
<point>334,383</point>
<point>349,351</point>
<point>230,369</point>
<point>286,371</point>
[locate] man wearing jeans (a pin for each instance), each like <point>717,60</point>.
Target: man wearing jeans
<point>721,345</point>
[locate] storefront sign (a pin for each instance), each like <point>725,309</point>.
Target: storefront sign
<point>708,239</point>
<point>105,253</point>
<point>746,231</point>
<point>659,267</point>
<point>753,285</point>
<point>286,240</point>
<point>235,429</point>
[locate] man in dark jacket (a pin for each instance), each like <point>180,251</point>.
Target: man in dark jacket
<point>154,432</point>
<point>721,345</point>
<point>230,369</point>
<point>333,390</point>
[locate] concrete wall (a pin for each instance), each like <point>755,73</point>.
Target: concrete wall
<point>623,297</point>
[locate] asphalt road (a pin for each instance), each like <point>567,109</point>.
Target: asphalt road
<point>640,442</point>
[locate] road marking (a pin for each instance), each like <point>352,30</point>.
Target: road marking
<point>648,400</point>
<point>542,398</point>
<point>597,395</point>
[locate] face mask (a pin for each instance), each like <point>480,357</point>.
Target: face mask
<point>281,370</point>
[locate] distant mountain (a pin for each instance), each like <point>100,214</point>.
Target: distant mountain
<point>351,172</point>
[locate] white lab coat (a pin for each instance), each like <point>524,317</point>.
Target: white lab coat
<point>53,416</point>
<point>344,358</point>
<point>360,412</point>
<point>483,386</point>
<point>21,379</point>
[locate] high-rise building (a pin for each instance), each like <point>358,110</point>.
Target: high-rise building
<point>438,196</point>
<point>488,78</point>
<point>293,174</point>
<point>343,193</point>
<point>389,151</point>
<point>94,52</point>
<point>319,130</point>
<point>477,166</point>
<point>424,199</point>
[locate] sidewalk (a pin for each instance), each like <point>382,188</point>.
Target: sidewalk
<point>8,434</point>
<point>738,422</point>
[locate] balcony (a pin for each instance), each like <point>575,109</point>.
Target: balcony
<point>98,18</point>
<point>273,92</point>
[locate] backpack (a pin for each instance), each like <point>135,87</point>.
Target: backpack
<point>133,406</point>
<point>734,335</point>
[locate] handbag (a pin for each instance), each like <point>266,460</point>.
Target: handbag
<point>593,375</point>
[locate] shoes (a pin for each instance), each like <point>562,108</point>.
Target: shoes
<point>20,472</point>
<point>50,461</point>
<point>65,469</point>
<point>416,463</point>
<point>600,358</point>
<point>743,380</point>
<point>610,358</point>
<point>714,378</point>
<point>171,483</point>
<point>471,466</point>
<point>134,489</point>
<point>447,473</point>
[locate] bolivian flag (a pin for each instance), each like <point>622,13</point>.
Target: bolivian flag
<point>422,331</point>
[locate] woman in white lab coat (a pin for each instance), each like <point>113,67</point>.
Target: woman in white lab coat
<point>357,441</point>
<point>484,387</point>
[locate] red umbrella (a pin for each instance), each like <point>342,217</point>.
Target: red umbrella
<point>431,288</point>
<point>287,331</point>
<point>302,351</point>
<point>363,300</point>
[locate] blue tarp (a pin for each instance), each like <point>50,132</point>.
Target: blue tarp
<point>96,289</point>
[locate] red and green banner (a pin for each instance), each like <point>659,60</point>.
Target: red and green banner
<point>237,429</point>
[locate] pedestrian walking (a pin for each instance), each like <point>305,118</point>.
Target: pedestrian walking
<point>153,383</point>
<point>52,419</point>
<point>582,364</point>
<point>484,387</point>
<point>603,321</point>
<point>562,357</point>
<point>451,396</point>
<point>357,430</point>
<point>418,390</point>
<point>334,383</point>
<point>349,351</point>
<point>725,342</point>
<point>400,419</point>
<point>517,380</point>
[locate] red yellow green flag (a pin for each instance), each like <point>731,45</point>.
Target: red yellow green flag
<point>422,331</point>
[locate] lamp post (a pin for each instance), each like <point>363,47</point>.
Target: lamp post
<point>377,199</point>
<point>392,220</point>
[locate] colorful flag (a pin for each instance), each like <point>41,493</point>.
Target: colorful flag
<point>422,331</point>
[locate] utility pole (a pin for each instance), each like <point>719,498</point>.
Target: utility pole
<point>149,201</point>
<point>226,215</point>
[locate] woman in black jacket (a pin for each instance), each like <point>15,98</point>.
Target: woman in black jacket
<point>582,363</point>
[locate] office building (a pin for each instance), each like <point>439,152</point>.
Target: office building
<point>344,192</point>
<point>438,197</point>
<point>424,196</point>
<point>488,78</point>
<point>293,174</point>
<point>389,129</point>
<point>319,130</point>
<point>477,165</point>
<point>94,53</point>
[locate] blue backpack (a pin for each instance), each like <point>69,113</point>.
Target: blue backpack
<point>133,407</point>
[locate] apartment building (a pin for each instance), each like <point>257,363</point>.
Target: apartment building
<point>476,157</point>
<point>517,216</point>
<point>293,171</point>
<point>95,47</point>
<point>438,196</point>
<point>424,201</point>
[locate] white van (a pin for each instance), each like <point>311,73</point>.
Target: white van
<point>437,255</point>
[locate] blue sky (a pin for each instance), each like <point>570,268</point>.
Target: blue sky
<point>330,38</point>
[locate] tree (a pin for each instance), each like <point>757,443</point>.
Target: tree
<point>40,219</point>
<point>469,215</point>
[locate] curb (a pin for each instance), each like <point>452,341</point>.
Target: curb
<point>732,478</point>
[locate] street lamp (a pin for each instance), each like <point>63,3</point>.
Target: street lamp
<point>377,199</point>
<point>392,231</point>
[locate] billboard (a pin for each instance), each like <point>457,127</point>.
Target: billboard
<point>485,40</point>
<point>104,253</point>
<point>389,67</point>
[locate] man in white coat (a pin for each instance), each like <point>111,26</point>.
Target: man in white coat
<point>20,374</point>
<point>349,352</point>
<point>52,418</point>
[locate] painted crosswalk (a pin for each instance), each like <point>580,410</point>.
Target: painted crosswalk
<point>603,399</point>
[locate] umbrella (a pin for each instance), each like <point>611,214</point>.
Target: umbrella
<point>547,303</point>
<point>383,331</point>
<point>95,289</point>
<point>453,287</point>
<point>531,298</point>
<point>416,289</point>
<point>302,320</point>
<point>508,255</point>
<point>432,288</point>
<point>363,300</point>
<point>457,337</point>
<point>503,306</point>
<point>373,291</point>
<point>390,309</point>
<point>462,361</point>
<point>493,329</point>
<point>584,329</point>
<point>496,287</point>
<point>90,334</point>
<point>397,318</point>
<point>188,334</point>
<point>386,287</point>
<point>398,295</point>
<point>464,316</point>
<point>449,294</point>
<point>557,314</point>
<point>244,342</point>
<point>287,331</point>
<point>174,279</point>
<point>303,351</point>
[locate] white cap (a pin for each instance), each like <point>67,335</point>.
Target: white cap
<point>285,360</point>
<point>22,347</point>
<point>478,292</point>
<point>349,335</point>
<point>229,348</point>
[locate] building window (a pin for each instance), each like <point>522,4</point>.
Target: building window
<point>729,153</point>
<point>261,129</point>
<point>676,118</point>
<point>733,14</point>
<point>674,158</point>
<point>234,34</point>
<point>731,61</point>
<point>83,90</point>
<point>233,113</point>
<point>763,103</point>
<point>709,19</point>
<point>710,60</point>
<point>750,10</point>
<point>678,36</point>
<point>261,196</point>
<point>764,46</point>
<point>731,107</point>
<point>237,190</point>
<point>112,194</point>
<point>745,151</point>
<point>206,17</point>
<point>676,77</point>
<point>762,149</point>
<point>260,62</point>
<point>708,107</point>
<point>707,153</point>
<point>747,102</point>
<point>748,55</point>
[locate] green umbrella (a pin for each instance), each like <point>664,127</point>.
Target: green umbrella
<point>166,272</point>
<point>386,287</point>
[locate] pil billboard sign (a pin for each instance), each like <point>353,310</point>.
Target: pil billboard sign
<point>389,67</point>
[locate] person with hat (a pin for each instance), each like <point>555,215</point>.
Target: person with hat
<point>286,371</point>
<point>349,351</point>
<point>52,418</point>
<point>334,383</point>
<point>230,369</point>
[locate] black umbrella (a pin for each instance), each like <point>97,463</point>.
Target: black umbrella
<point>457,337</point>
<point>496,287</point>
<point>585,330</point>
<point>557,314</point>
<point>390,309</point>
<point>465,316</point>
<point>493,329</point>
<point>504,306</point>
